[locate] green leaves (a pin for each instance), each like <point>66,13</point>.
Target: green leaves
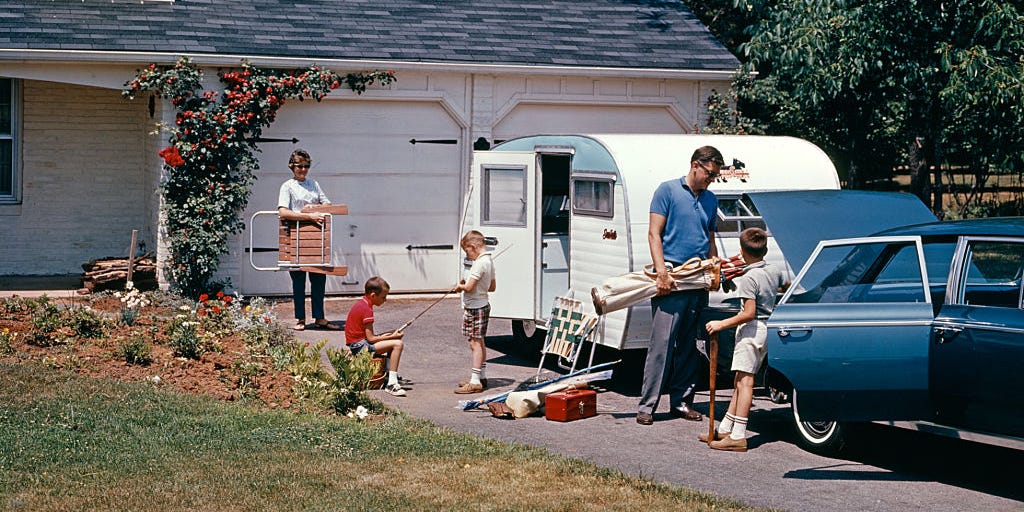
<point>863,78</point>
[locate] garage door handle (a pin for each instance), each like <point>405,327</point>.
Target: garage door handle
<point>784,332</point>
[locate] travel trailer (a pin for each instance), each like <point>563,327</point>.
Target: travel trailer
<point>564,212</point>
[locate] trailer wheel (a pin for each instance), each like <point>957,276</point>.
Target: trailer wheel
<point>527,331</point>
<point>821,437</point>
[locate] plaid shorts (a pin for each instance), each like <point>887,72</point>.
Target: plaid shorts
<point>474,322</point>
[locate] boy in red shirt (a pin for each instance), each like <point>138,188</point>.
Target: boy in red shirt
<point>359,334</point>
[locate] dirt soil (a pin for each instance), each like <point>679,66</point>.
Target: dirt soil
<point>213,374</point>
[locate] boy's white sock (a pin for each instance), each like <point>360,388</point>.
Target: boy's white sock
<point>392,378</point>
<point>474,378</point>
<point>726,425</point>
<point>739,428</point>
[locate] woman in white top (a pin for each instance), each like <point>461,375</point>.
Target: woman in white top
<point>295,194</point>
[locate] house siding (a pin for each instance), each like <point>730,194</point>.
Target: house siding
<point>85,185</point>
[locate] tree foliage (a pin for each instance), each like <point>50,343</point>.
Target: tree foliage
<point>868,80</point>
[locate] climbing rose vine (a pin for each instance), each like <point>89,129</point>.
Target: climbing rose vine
<point>210,162</point>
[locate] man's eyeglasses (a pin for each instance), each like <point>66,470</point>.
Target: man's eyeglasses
<point>711,174</point>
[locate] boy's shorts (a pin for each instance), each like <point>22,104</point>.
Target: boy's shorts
<point>474,322</point>
<point>360,346</point>
<point>751,346</point>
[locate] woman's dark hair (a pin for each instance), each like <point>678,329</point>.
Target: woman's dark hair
<point>299,154</point>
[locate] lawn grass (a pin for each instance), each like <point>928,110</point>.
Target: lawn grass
<point>69,442</point>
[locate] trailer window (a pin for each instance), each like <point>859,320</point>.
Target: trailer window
<point>592,196</point>
<point>736,213</point>
<point>504,196</point>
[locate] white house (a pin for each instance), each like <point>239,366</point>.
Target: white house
<point>78,164</point>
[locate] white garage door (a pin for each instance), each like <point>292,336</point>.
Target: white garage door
<point>403,199</point>
<point>531,119</point>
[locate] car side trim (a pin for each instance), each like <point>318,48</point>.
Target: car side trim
<point>859,323</point>
<point>981,326</point>
<point>1011,442</point>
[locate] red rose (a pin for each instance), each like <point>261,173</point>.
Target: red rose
<point>204,297</point>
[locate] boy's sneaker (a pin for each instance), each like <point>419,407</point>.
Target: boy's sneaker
<point>403,381</point>
<point>395,389</point>
<point>469,388</point>
<point>483,382</point>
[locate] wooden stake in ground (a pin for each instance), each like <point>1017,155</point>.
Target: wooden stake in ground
<point>713,365</point>
<point>131,254</point>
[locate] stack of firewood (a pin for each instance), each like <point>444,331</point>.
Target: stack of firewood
<point>112,274</point>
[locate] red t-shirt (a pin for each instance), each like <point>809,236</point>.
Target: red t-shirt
<point>360,316</point>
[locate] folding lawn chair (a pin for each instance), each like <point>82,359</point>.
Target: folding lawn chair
<point>568,328</point>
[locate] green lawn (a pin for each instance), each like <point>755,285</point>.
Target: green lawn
<point>74,443</point>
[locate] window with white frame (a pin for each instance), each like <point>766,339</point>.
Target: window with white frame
<point>593,195</point>
<point>504,196</point>
<point>8,125</point>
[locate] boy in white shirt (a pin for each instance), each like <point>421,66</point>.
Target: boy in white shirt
<point>476,308</point>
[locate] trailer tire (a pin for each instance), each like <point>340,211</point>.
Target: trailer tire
<point>827,438</point>
<point>528,332</point>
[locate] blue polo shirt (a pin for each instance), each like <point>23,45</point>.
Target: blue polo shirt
<point>687,220</point>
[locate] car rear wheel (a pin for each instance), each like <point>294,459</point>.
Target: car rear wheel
<point>821,437</point>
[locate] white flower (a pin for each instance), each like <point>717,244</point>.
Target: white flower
<point>129,285</point>
<point>362,412</point>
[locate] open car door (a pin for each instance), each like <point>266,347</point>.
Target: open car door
<point>852,332</point>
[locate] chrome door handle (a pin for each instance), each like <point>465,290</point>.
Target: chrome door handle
<point>784,332</point>
<point>946,334</point>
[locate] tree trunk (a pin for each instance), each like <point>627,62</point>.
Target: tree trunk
<point>920,178</point>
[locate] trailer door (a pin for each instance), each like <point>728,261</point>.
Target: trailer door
<point>505,211</point>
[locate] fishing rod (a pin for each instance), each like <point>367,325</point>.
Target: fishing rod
<point>446,294</point>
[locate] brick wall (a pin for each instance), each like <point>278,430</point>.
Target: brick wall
<point>88,175</point>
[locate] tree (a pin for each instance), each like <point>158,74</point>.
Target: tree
<point>872,81</point>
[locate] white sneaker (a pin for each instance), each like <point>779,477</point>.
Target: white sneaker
<point>395,389</point>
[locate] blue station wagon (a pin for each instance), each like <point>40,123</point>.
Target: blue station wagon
<point>919,326</point>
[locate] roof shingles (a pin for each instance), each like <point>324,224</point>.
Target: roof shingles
<point>606,33</point>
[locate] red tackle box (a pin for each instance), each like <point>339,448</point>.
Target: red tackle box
<point>571,404</point>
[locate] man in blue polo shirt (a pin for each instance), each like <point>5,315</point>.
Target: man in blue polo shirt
<point>682,226</point>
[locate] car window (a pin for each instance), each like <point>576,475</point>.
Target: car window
<point>993,274</point>
<point>736,213</point>
<point>861,273</point>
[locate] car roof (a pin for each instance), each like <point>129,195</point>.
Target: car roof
<point>995,226</point>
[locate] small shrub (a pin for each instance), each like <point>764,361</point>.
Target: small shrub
<point>352,375</point>
<point>256,323</point>
<point>132,300</point>
<point>248,372</point>
<point>13,305</point>
<point>184,337</point>
<point>7,341</point>
<point>86,322</point>
<point>46,324</point>
<point>136,350</point>
<point>342,390</point>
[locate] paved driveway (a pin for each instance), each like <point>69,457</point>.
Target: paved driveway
<point>895,470</point>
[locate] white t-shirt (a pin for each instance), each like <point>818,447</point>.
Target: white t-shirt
<point>295,195</point>
<point>483,271</point>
